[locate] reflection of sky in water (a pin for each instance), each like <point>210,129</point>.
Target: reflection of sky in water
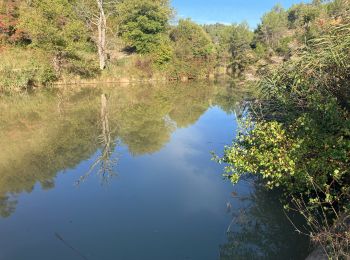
<point>166,205</point>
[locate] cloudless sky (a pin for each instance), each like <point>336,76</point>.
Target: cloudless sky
<point>226,11</point>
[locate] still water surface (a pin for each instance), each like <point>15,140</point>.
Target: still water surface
<point>126,173</point>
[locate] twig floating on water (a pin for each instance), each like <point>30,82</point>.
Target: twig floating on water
<point>69,246</point>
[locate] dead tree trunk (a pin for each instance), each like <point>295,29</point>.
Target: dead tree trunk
<point>101,41</point>
<point>105,161</point>
<point>106,136</point>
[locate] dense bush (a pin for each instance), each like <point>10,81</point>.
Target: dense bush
<point>34,70</point>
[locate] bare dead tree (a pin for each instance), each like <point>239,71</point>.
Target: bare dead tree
<point>105,161</point>
<point>96,15</point>
<point>102,26</point>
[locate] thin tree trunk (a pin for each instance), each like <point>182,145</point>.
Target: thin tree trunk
<point>104,121</point>
<point>101,42</point>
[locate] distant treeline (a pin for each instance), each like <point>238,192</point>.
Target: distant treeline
<point>47,40</point>
<point>279,35</point>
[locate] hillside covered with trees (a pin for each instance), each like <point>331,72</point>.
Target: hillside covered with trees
<point>107,40</point>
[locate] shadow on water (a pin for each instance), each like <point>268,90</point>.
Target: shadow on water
<point>261,230</point>
<point>53,131</point>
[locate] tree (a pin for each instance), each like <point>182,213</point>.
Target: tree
<point>302,15</point>
<point>273,26</point>
<point>95,14</point>
<point>306,20</point>
<point>193,50</point>
<point>220,35</point>
<point>144,23</point>
<point>101,25</point>
<point>191,41</point>
<point>54,26</point>
<point>239,46</point>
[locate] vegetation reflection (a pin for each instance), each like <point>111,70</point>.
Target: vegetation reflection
<point>53,131</point>
<point>105,160</point>
<point>260,229</point>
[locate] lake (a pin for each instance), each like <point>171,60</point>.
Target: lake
<point>125,172</point>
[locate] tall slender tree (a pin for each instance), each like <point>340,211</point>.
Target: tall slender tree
<point>95,13</point>
<point>101,42</point>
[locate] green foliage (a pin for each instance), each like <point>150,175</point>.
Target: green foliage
<point>338,8</point>
<point>273,26</point>
<point>220,35</point>
<point>193,50</point>
<point>308,109</point>
<point>191,41</point>
<point>240,41</point>
<point>283,46</point>
<point>266,150</point>
<point>24,79</point>
<point>303,14</point>
<point>144,23</point>
<point>53,25</point>
<point>260,50</point>
<point>164,53</point>
<point>33,70</point>
<point>300,137</point>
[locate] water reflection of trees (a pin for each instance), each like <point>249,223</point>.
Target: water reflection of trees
<point>230,102</point>
<point>260,230</point>
<point>53,131</point>
<point>105,162</point>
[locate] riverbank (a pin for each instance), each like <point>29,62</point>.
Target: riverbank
<point>25,68</point>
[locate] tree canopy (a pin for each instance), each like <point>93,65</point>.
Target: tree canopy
<point>53,25</point>
<point>191,41</point>
<point>144,23</point>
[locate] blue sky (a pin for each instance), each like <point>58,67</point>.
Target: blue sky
<point>226,11</point>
